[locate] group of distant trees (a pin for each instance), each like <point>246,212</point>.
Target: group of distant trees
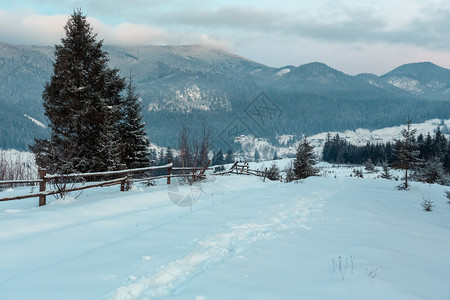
<point>95,115</point>
<point>424,155</point>
<point>220,159</point>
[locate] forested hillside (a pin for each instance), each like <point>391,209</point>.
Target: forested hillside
<point>196,85</point>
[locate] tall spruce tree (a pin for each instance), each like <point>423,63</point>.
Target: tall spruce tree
<point>406,151</point>
<point>134,142</point>
<point>304,162</point>
<point>82,102</point>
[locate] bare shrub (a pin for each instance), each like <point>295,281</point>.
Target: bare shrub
<point>16,165</point>
<point>274,172</point>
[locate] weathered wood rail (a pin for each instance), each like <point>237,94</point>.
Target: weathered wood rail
<point>243,169</point>
<point>195,173</point>
<point>125,175</point>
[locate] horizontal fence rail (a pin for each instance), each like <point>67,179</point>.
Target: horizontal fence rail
<point>20,181</point>
<point>54,192</point>
<point>109,173</point>
<point>125,174</point>
<point>196,173</point>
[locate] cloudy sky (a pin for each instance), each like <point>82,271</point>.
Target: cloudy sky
<point>363,36</point>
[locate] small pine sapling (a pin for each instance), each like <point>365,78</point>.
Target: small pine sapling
<point>289,171</point>
<point>427,204</point>
<point>386,173</point>
<point>447,194</point>
<point>369,166</point>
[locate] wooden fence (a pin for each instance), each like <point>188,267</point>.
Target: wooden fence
<point>244,169</point>
<point>123,176</point>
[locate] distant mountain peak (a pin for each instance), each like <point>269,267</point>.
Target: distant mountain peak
<point>318,66</point>
<point>417,69</point>
<point>422,78</point>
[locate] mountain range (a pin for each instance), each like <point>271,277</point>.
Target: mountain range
<point>231,95</point>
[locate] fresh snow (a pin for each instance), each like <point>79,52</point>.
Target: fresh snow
<point>406,83</point>
<point>193,98</point>
<point>327,237</point>
<point>38,123</point>
<point>283,72</point>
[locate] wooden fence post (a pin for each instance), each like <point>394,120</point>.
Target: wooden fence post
<point>169,171</point>
<point>265,174</point>
<point>42,186</point>
<point>122,182</point>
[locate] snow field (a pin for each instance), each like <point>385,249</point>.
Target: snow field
<point>243,239</point>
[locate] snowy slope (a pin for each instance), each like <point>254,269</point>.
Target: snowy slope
<point>359,137</point>
<point>243,239</point>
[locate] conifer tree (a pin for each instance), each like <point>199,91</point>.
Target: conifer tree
<point>289,171</point>
<point>256,156</point>
<point>432,171</point>
<point>369,166</point>
<point>82,94</point>
<point>169,155</point>
<point>229,157</point>
<point>134,142</point>
<point>428,147</point>
<point>304,162</point>
<point>406,151</point>
<point>386,174</point>
<point>162,158</point>
<point>218,158</point>
<point>439,144</point>
<point>447,159</point>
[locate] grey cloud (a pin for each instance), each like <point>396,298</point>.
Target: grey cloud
<point>336,24</point>
<point>352,26</point>
<point>230,17</point>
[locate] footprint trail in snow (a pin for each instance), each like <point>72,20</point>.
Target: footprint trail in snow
<point>218,248</point>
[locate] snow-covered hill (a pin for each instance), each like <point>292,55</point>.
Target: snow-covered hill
<point>321,238</point>
<point>420,79</point>
<point>359,137</point>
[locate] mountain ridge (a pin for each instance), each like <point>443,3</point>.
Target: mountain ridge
<point>196,84</point>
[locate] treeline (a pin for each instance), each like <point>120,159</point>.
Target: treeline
<point>429,148</point>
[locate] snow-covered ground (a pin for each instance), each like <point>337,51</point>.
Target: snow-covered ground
<point>327,237</point>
